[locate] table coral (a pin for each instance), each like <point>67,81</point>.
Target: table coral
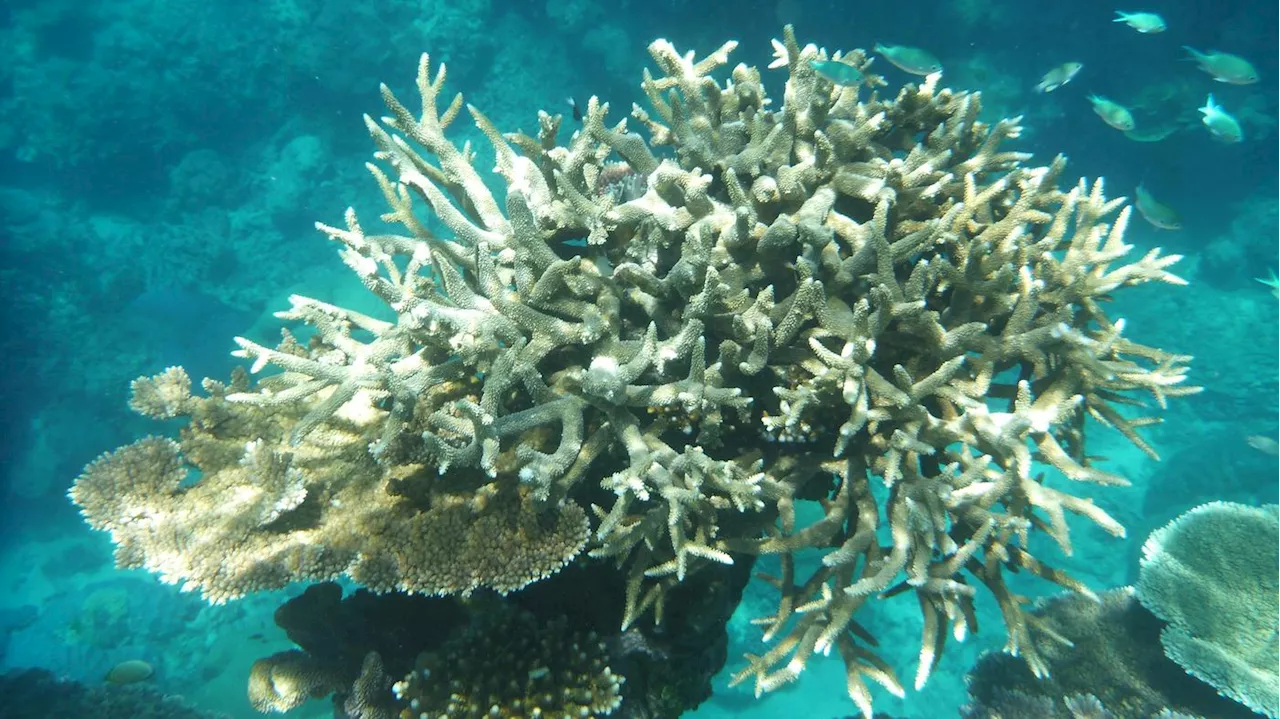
<point>789,304</point>
<point>1107,647</point>
<point>1211,574</point>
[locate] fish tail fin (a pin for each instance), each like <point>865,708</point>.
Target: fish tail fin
<point>1121,16</point>
<point>1195,54</point>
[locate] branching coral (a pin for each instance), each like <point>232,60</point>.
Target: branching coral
<point>800,302</point>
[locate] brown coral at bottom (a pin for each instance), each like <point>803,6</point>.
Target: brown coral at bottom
<point>510,666</point>
<point>286,680</point>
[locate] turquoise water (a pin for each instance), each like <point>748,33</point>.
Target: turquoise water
<point>163,163</point>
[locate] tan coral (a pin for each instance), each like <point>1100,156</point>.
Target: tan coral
<point>260,516</point>
<point>163,396</point>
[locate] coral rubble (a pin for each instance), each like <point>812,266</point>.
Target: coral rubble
<point>654,363</point>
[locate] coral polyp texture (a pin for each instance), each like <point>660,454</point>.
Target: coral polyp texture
<point>511,667</point>
<point>649,349</point>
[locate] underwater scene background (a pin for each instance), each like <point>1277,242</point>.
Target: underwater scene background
<point>163,165</point>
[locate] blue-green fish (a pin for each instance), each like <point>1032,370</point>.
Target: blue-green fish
<point>1143,22</point>
<point>1225,67</point>
<point>1156,212</point>
<point>1221,124</point>
<point>910,59</point>
<point>838,72</point>
<point>1112,113</point>
<point>1058,76</point>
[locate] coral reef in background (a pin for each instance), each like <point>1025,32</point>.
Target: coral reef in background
<point>38,694</point>
<point>118,58</point>
<point>1231,259</point>
<point>796,304</point>
<point>1212,575</point>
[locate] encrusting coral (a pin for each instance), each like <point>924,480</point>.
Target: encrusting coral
<point>780,305</point>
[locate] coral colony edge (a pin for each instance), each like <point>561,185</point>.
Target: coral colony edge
<point>639,360</point>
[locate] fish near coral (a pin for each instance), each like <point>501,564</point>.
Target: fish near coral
<point>837,72</point>
<point>1157,213</point>
<point>1221,124</point>
<point>1225,67</point>
<point>1112,113</point>
<point>910,59</point>
<point>1058,76</point>
<point>1144,22</point>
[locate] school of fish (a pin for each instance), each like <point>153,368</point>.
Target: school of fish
<point>1222,66</point>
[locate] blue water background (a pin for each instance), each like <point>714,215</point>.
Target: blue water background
<point>162,163</point>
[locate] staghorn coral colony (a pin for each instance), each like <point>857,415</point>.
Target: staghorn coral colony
<point>649,350</point>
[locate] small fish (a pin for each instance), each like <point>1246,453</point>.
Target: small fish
<point>838,72</point>
<point>1112,113</point>
<point>1143,22</point>
<point>1266,445</point>
<point>129,672</point>
<point>1157,213</point>
<point>910,59</point>
<point>1152,134</point>
<point>1221,124</point>
<point>1225,67</point>
<point>1058,76</point>
<point>574,109</point>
